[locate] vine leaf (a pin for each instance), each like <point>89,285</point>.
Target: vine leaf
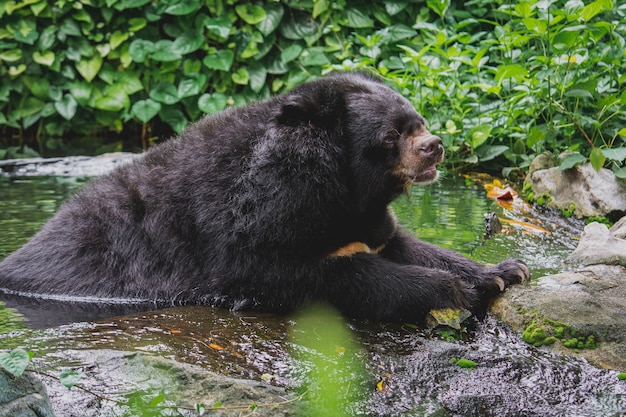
<point>15,361</point>
<point>66,107</point>
<point>597,158</point>
<point>89,68</point>
<point>70,377</point>
<point>145,110</point>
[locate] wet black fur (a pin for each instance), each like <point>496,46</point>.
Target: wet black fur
<point>243,210</point>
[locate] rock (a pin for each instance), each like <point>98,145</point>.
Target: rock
<point>619,228</point>
<point>542,161</point>
<point>74,166</point>
<point>599,246</point>
<point>23,396</point>
<point>592,193</point>
<point>589,302</point>
<point>114,374</point>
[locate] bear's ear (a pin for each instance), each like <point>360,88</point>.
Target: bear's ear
<point>321,106</point>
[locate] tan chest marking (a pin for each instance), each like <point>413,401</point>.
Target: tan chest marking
<point>353,248</point>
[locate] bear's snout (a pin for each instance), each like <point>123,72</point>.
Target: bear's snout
<point>431,147</point>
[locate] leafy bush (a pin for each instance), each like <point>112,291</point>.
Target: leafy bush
<point>499,81</point>
<point>513,80</point>
<point>94,67</point>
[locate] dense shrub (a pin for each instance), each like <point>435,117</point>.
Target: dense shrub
<point>499,81</point>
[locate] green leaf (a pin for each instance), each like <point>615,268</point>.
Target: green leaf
<point>314,57</point>
<point>70,377</point>
<point>615,154</point>
<point>274,16</point>
<point>535,25</point>
<point>438,6</point>
<point>66,107</point>
<point>81,91</point>
<point>478,135</point>
<point>145,110</point>
<point>139,49</point>
<point>44,58</point>
<point>393,7</point>
<point>290,53</point>
<point>297,27</point>
<point>571,160</point>
<point>182,8</point>
<point>29,107</point>
<point>597,158</point>
<point>212,103</point>
<point>113,100</point>
<point>595,8</point>
<point>358,19</point>
<point>165,93</point>
<point>466,363</point>
<point>258,75</point>
<point>396,33</point>
<point>535,136</point>
<point>488,152</point>
<point>620,172</point>
<point>221,61</point>
<point>70,28</point>
<point>504,72</point>
<point>47,38</point>
<point>15,361</point>
<point>38,86</point>
<point>174,117</point>
<point>241,76</point>
<point>219,26</point>
<point>189,41</point>
<point>129,82</point>
<point>251,13</point>
<point>165,51</point>
<point>11,55</point>
<point>622,132</point>
<point>191,85</point>
<point>117,38</point>
<point>15,71</point>
<point>319,7</point>
<point>89,68</point>
<point>136,24</point>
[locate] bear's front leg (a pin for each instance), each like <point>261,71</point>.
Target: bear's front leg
<point>488,280</point>
<point>372,287</point>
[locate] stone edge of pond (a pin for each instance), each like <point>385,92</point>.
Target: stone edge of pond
<point>578,313</point>
<point>71,166</point>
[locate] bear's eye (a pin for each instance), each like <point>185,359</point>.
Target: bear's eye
<point>390,138</point>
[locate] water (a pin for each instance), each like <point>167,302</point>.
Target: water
<point>383,369</point>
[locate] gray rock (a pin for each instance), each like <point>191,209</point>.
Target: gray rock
<point>599,246</point>
<point>74,166</point>
<point>619,228</point>
<point>23,396</point>
<point>591,301</point>
<point>592,193</point>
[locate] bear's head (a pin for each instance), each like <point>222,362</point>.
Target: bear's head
<point>389,141</point>
<point>386,141</point>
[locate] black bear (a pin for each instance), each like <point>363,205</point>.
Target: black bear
<point>268,206</point>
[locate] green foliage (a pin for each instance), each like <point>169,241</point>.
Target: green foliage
<point>322,340</point>
<point>517,78</point>
<point>498,81</point>
<point>464,363</point>
<point>542,331</point>
<point>15,361</point>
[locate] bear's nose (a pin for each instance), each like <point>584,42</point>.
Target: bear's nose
<point>431,146</point>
